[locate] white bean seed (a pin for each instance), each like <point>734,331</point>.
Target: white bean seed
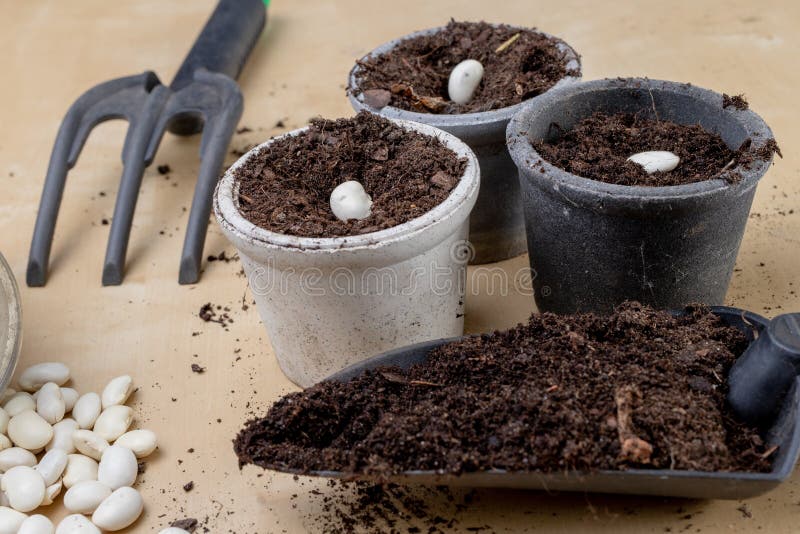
<point>85,497</point>
<point>51,492</point>
<point>120,509</point>
<point>464,79</point>
<point>50,403</point>
<point>173,530</point>
<point>79,468</point>
<point>89,443</point>
<point>113,422</point>
<point>349,200</point>
<point>142,442</point>
<point>28,430</point>
<point>16,456</point>
<point>24,487</point>
<point>87,409</point>
<point>5,443</point>
<point>62,436</point>
<point>76,524</point>
<point>10,520</point>
<point>36,524</point>
<point>118,467</point>
<point>117,391</point>
<point>18,403</point>
<point>70,398</point>
<point>656,161</point>
<point>38,375</point>
<point>52,466</point>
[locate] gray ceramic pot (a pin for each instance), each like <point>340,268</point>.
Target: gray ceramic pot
<point>497,227</point>
<point>592,244</point>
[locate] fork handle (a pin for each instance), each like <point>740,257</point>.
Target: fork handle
<point>223,46</point>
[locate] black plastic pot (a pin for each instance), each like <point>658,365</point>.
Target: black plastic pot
<point>593,245</point>
<point>496,226</point>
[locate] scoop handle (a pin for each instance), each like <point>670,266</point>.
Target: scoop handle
<point>761,377</point>
<point>225,42</point>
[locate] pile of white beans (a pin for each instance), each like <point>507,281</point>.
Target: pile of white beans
<point>93,454</point>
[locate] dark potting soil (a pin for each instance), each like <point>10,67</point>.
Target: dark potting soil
<point>737,101</point>
<point>637,388</point>
<point>287,187</point>
<point>414,75</point>
<point>598,148</point>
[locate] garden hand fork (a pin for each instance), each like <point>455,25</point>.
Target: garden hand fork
<point>203,96</point>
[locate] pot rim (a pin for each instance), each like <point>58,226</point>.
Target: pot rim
<point>444,120</point>
<point>527,158</point>
<point>226,204</point>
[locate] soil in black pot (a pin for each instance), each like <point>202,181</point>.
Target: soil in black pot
<point>286,188</point>
<point>637,388</point>
<point>518,64</point>
<point>598,148</point>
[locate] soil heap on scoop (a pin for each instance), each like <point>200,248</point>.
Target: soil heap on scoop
<point>287,187</point>
<point>637,388</point>
<point>518,64</point>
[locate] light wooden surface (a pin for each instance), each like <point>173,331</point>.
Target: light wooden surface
<point>51,51</point>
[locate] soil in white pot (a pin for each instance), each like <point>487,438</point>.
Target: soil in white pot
<point>287,187</point>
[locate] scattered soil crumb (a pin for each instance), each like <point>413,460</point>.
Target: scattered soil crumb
<point>745,510</point>
<point>223,257</point>
<point>215,314</point>
<point>198,369</point>
<point>737,101</point>
<point>189,524</point>
<point>189,486</point>
<point>244,130</point>
<point>356,506</point>
<point>163,169</point>
<point>768,149</point>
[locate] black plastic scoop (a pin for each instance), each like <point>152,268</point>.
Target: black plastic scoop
<point>204,96</point>
<point>783,429</point>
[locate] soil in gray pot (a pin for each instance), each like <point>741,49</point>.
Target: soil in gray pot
<point>598,148</point>
<point>636,388</point>
<point>518,65</point>
<point>287,187</point>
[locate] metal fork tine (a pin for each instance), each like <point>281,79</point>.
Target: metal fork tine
<point>134,163</point>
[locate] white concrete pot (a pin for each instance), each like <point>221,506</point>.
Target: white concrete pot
<point>329,302</point>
